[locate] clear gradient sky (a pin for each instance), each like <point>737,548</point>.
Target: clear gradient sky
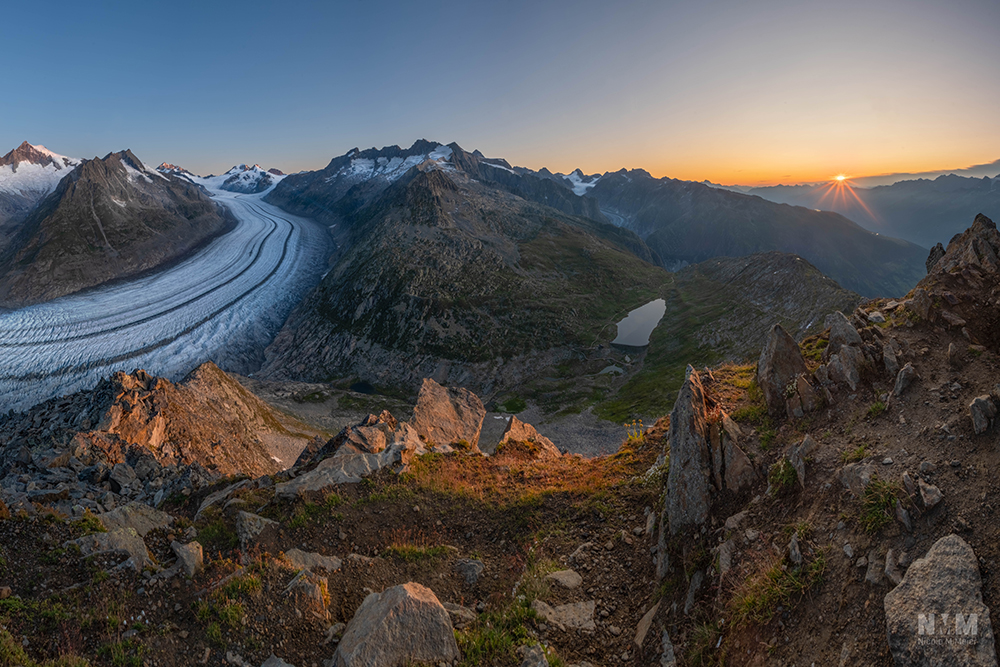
<point>735,92</point>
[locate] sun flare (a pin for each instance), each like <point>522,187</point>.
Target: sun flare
<point>840,177</point>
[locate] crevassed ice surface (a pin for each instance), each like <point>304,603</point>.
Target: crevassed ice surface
<point>636,328</point>
<point>224,304</point>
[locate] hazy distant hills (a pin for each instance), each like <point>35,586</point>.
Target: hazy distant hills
<point>685,223</point>
<point>923,211</point>
<point>108,218</point>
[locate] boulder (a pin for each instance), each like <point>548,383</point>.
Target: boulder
<point>842,333</point>
<point>731,467</point>
<point>857,476</point>
<point>532,656</point>
<point>645,622</point>
<point>688,481</point>
<point>460,616</point>
<point>190,557</point>
<point>135,516</point>
<point>844,367</point>
<point>448,416</point>
<point>779,365</point>
<point>252,530</point>
<point>920,304</point>
<point>890,360</point>
<point>347,466</point>
<point>936,253</point>
<point>565,578</point>
<point>797,454</point>
<point>402,625</point>
<point>275,661</point>
<point>520,432</point>
<point>936,615</point>
<point>118,542</point>
<point>470,569</point>
<point>306,560</point>
<point>907,374</point>
<point>930,495</point>
<point>572,616</point>
<point>983,410</point>
<point>309,593</point>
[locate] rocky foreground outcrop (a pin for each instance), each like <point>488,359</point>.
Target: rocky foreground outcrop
<point>140,437</point>
<point>936,615</point>
<point>705,461</point>
<point>399,626</point>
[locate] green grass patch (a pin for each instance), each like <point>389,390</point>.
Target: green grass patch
<point>495,636</point>
<point>878,504</point>
<point>412,553</point>
<point>774,584</point>
<point>782,476</point>
<point>876,408</point>
<point>854,455</point>
<point>125,653</point>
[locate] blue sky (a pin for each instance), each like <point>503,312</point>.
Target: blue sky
<point>747,92</point>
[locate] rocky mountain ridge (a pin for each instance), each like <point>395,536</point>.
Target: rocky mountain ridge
<point>111,218</point>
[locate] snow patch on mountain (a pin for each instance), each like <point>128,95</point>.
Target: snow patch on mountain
<point>390,169</point>
<point>580,183</point>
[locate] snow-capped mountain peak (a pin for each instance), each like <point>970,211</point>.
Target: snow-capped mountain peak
<point>33,170</point>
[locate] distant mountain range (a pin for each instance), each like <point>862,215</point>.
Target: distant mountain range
<point>923,211</point>
<point>245,179</point>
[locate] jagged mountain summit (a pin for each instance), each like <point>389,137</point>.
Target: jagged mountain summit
<point>243,178</point>
<point>110,218</point>
<point>27,174</point>
<point>357,177</point>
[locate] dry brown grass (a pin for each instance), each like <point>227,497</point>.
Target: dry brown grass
<point>511,478</point>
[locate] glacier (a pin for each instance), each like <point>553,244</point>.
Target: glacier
<point>225,304</point>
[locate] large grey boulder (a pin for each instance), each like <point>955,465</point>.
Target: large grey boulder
<point>845,366</point>
<point>347,466</point>
<point>135,516</point>
<point>842,333</point>
<point>572,616</point>
<point>779,365</point>
<point>400,626</point>
<point>307,560</point>
<point>119,542</point>
<point>190,557</point>
<point>907,374</point>
<point>689,478</point>
<point>936,615</point>
<point>983,410</point>
<point>447,416</point>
